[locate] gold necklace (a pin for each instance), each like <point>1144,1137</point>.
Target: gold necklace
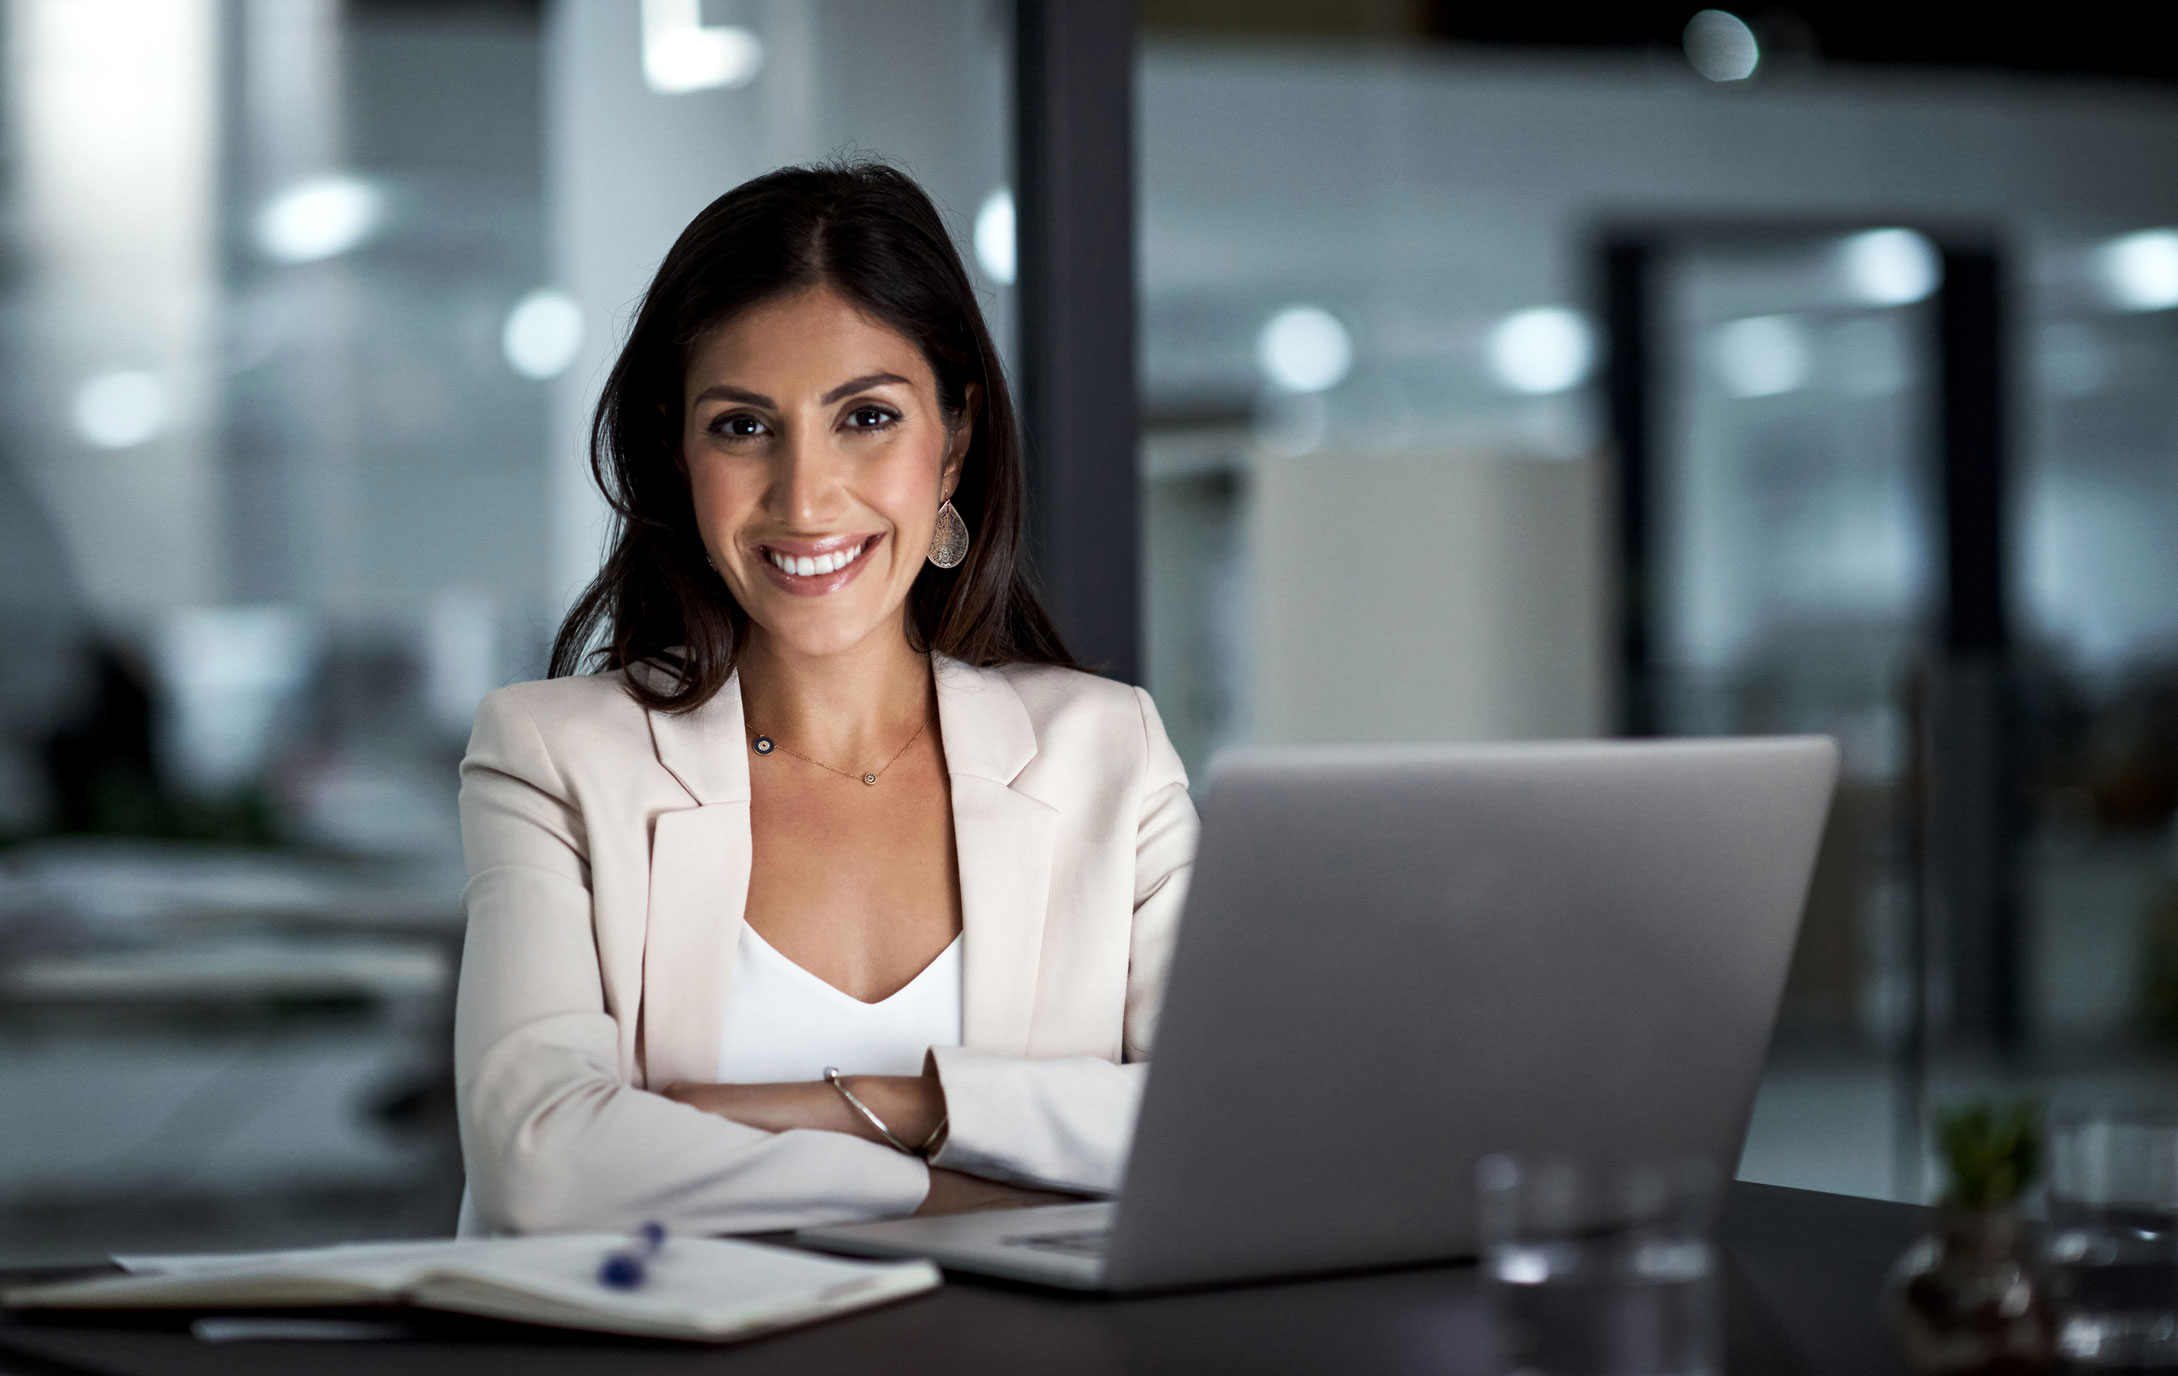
<point>764,745</point>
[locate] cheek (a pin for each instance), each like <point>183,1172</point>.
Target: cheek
<point>722,495</point>
<point>910,498</point>
<point>911,483</point>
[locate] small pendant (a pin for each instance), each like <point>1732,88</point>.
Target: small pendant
<point>763,745</point>
<point>869,778</point>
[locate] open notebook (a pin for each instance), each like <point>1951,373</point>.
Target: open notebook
<point>705,1289</point>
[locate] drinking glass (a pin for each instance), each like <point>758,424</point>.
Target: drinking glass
<point>2112,1247</point>
<point>1594,1270</point>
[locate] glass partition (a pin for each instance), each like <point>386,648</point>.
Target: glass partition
<point>303,304</point>
<point>1383,500</point>
<point>1795,548</point>
<point>2098,503</point>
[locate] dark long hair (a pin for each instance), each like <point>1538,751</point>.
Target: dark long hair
<point>868,232</point>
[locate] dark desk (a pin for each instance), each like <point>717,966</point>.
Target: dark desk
<point>1802,1287</point>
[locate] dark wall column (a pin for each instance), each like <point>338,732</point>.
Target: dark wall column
<point>1625,291</point>
<point>1074,206</point>
<point>1972,822</point>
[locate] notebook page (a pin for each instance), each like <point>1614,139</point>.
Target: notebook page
<point>358,1253</point>
<point>706,1288</point>
<point>357,1273</point>
<point>695,1288</point>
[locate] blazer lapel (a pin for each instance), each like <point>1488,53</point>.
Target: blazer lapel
<point>1003,839</point>
<point>699,885</point>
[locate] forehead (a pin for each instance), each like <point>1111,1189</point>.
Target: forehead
<point>814,337</point>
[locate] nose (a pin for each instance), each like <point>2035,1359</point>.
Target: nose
<point>806,491</point>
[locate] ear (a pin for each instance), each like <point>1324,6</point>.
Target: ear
<point>963,436</point>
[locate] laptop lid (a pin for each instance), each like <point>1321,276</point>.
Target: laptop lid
<point>1395,961</point>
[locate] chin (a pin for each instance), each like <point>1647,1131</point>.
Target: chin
<point>818,637</point>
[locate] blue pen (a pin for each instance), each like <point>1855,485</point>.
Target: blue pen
<point>625,1268</point>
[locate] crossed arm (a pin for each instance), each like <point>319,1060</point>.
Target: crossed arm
<point>911,1105</point>
<point>559,1135</point>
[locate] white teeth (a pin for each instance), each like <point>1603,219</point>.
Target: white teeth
<point>808,566</point>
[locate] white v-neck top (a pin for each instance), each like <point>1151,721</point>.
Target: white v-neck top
<point>783,1023</point>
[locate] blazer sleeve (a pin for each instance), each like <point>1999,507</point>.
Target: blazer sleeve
<point>1066,1123</point>
<point>554,1136</point>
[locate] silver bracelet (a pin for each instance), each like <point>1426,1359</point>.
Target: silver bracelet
<point>832,1078</point>
<point>936,1137</point>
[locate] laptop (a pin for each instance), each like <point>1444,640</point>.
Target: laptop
<point>1396,961</point>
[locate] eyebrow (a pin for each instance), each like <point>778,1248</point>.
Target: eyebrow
<point>722,392</point>
<point>854,385</point>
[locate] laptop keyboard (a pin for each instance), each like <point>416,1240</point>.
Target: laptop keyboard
<point>1080,1242</point>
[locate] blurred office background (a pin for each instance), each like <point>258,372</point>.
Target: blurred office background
<point>1498,378</point>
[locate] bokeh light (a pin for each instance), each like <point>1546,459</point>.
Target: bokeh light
<point>319,218</point>
<point>1890,267</point>
<point>1304,349</point>
<point>682,54</point>
<point>1762,356</point>
<point>994,236</point>
<point>1721,46</point>
<point>1544,350</point>
<point>543,334</point>
<point>2140,271</point>
<point>121,410</point>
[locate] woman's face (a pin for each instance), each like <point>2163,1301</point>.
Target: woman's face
<point>817,455</point>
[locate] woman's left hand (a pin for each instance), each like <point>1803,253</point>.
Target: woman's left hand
<point>911,1105</point>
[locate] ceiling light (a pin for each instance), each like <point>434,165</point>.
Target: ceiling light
<point>543,334</point>
<point>1304,349</point>
<point>2140,271</point>
<point>1540,351</point>
<point>682,54</point>
<point>1762,356</point>
<point>994,237</point>
<point>1721,46</point>
<point>1890,267</point>
<point>319,218</point>
<point>120,410</point>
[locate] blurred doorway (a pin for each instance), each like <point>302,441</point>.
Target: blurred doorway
<point>1782,533</point>
<point>1809,424</point>
<point>1830,520</point>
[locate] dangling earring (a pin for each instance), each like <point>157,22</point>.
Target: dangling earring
<point>949,541</point>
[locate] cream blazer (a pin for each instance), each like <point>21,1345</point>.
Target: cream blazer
<point>608,852</point>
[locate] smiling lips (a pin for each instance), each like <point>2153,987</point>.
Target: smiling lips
<point>813,564</point>
<point>808,566</point>
<point>819,566</point>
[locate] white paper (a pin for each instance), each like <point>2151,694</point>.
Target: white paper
<point>693,1287</point>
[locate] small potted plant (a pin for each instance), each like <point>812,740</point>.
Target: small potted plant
<point>1968,1298</point>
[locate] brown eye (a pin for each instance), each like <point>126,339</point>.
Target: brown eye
<point>737,426</point>
<point>870,418</point>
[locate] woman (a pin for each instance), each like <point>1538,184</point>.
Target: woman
<point>835,799</point>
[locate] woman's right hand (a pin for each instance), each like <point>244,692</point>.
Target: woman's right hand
<point>952,1192</point>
